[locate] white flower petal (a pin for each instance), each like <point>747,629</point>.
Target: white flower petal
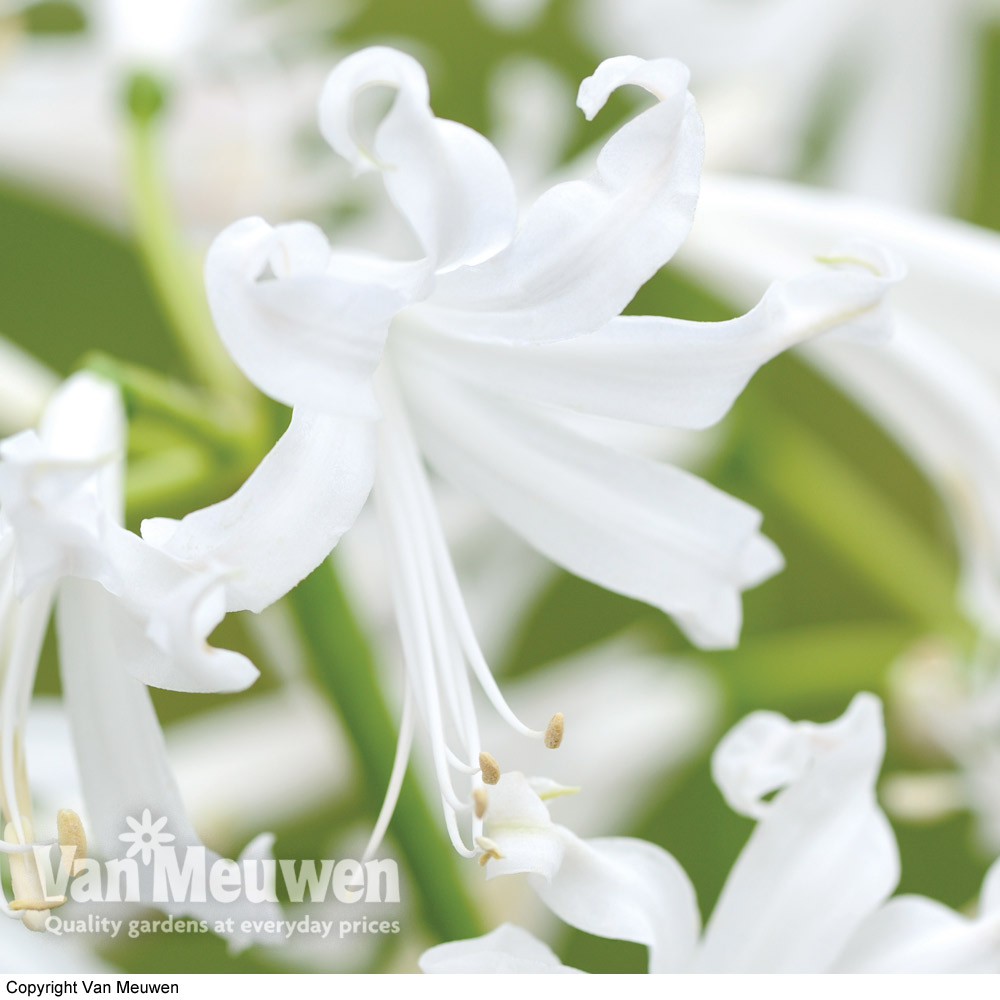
<point>751,231</point>
<point>53,485</point>
<point>312,335</point>
<point>762,754</point>
<point>286,518</point>
<point>822,857</point>
<point>163,620</point>
<point>614,887</point>
<point>627,889</point>
<point>587,246</point>
<point>447,180</point>
<point>934,385</point>
<point>508,949</point>
<point>671,372</point>
<point>911,934</point>
<point>25,385</point>
<point>903,138</point>
<point>645,530</point>
<point>123,762</point>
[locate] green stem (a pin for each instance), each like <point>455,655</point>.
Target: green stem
<point>174,278</point>
<point>343,663</point>
<point>221,422</point>
<point>861,525</point>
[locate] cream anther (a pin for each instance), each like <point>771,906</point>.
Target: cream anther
<point>490,768</point>
<point>554,731</point>
<point>479,801</point>
<point>72,841</point>
<point>490,850</point>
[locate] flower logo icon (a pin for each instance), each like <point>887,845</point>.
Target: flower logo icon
<point>146,836</point>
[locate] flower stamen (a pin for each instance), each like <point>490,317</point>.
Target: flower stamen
<point>480,800</point>
<point>554,731</point>
<point>490,768</point>
<point>72,841</point>
<point>490,848</point>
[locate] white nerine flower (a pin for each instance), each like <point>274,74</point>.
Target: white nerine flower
<point>807,894</point>
<point>60,541</point>
<point>476,356</point>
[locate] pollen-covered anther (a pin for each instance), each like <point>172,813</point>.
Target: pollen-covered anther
<point>72,841</point>
<point>489,767</point>
<point>479,802</point>
<point>490,850</point>
<point>554,731</point>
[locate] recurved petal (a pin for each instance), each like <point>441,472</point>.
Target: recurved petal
<point>643,529</point>
<point>310,333</point>
<point>69,503</point>
<point>447,180</point>
<point>614,887</point>
<point>164,629</point>
<point>764,753</point>
<point>164,617</point>
<point>752,230</point>
<point>934,384</point>
<point>508,949</point>
<point>285,519</point>
<point>587,246</point>
<point>822,857</point>
<point>630,890</point>
<point>671,372</point>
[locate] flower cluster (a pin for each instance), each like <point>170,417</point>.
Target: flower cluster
<point>492,353</point>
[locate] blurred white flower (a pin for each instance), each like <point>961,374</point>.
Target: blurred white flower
<point>892,80</point>
<point>949,709</point>
<point>807,894</point>
<point>935,385</point>
<point>493,339</point>
<point>240,106</point>
<point>61,497</point>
